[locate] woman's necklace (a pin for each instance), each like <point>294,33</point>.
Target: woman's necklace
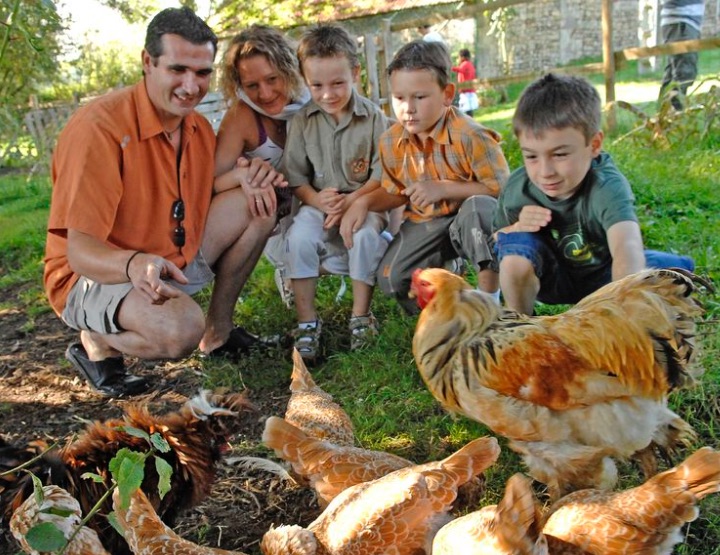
<point>169,134</point>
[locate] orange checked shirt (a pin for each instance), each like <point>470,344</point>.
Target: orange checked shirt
<point>458,149</point>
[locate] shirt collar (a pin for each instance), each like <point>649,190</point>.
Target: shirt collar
<point>439,133</point>
<point>149,122</point>
<point>356,107</point>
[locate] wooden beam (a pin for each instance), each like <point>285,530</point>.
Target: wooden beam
<point>410,18</point>
<point>586,69</point>
<point>679,47</point>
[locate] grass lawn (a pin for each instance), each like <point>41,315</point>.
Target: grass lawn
<point>676,183</point>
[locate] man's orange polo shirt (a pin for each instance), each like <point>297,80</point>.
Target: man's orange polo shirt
<point>115,177</point>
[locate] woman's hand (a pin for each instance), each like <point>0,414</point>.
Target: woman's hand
<point>258,180</point>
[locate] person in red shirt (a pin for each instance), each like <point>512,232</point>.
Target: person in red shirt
<point>466,72</point>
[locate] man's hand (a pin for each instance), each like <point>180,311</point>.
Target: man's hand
<point>148,273</point>
<point>258,180</point>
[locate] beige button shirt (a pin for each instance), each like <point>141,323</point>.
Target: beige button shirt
<point>323,154</point>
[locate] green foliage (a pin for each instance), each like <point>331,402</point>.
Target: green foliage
<point>29,49</point>
<point>699,121</point>
<point>95,69</point>
<point>24,205</point>
<point>135,11</point>
<point>233,15</point>
<point>127,468</point>
<point>46,538</point>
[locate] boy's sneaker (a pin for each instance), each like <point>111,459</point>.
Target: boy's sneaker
<point>457,266</point>
<point>307,339</point>
<point>284,288</point>
<point>362,330</point>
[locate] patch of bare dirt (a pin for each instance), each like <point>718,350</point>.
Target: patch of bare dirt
<point>42,396</point>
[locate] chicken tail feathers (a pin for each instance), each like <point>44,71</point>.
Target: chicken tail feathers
<point>474,458</point>
<point>699,473</point>
<point>282,437</point>
<point>301,378</point>
<point>518,517</point>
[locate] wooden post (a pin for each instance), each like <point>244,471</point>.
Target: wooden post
<point>608,63</point>
<point>371,66</point>
<point>387,46</point>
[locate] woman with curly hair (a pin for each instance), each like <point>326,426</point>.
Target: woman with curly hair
<point>262,85</point>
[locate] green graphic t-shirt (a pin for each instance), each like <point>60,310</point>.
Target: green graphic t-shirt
<point>578,228</point>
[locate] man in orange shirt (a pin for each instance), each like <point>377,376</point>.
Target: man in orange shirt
<point>134,228</point>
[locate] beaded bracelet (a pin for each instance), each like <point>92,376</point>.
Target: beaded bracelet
<point>127,265</point>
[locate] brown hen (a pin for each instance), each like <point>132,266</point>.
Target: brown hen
<point>146,534</point>
<point>328,468</point>
<point>313,410</point>
<point>512,527</point>
<point>570,391</point>
<point>56,506</point>
<point>646,519</point>
<point>196,435</point>
<point>397,514</point>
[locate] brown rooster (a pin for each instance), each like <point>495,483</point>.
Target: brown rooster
<point>512,527</point>
<point>196,435</point>
<point>570,391</point>
<point>646,519</point>
<point>146,534</point>
<point>313,410</point>
<point>398,513</point>
<point>56,506</point>
<point>328,468</point>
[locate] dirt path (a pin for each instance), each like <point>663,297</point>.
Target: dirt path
<point>41,396</point>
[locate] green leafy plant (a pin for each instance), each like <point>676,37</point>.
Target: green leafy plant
<point>127,469</point>
<point>699,119</point>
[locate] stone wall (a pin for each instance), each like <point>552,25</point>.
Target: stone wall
<point>547,33</point>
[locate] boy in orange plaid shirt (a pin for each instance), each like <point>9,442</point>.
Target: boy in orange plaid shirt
<point>445,168</point>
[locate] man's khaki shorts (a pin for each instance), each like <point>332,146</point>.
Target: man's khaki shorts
<point>94,306</point>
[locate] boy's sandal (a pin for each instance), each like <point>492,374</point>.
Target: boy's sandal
<point>362,328</point>
<point>307,341</point>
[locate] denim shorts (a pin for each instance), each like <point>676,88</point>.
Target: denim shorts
<point>94,306</point>
<point>561,284</point>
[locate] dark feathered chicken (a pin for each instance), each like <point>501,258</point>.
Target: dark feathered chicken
<point>197,436</point>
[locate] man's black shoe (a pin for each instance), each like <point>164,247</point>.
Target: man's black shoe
<point>108,377</point>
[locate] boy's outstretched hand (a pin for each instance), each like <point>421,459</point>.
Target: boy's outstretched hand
<point>531,219</point>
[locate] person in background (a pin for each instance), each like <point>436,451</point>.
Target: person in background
<point>680,20</point>
<point>466,72</point>
<point>262,84</point>
<point>134,228</point>
<point>445,168</point>
<point>337,165</point>
<point>429,35</point>
<point>566,222</point>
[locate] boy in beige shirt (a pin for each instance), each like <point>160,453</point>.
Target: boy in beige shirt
<point>332,160</point>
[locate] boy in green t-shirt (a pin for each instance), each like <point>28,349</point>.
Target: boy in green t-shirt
<point>566,222</point>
